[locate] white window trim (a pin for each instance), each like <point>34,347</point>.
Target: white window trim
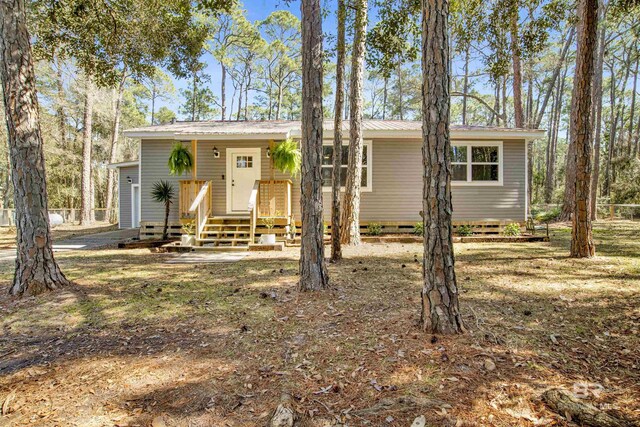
<point>469,182</point>
<point>369,144</point>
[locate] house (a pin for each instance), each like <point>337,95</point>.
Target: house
<point>232,185</point>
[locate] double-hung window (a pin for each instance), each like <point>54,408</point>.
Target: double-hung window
<point>327,166</point>
<point>476,163</point>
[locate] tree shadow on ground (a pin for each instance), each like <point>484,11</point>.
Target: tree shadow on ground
<point>219,342</point>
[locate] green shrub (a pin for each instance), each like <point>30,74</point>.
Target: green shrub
<point>374,229</point>
<point>418,229</point>
<point>512,229</point>
<point>548,216</point>
<point>464,230</point>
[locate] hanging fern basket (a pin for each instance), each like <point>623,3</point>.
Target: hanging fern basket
<point>287,157</point>
<point>180,160</point>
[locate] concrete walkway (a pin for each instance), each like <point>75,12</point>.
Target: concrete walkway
<point>85,242</point>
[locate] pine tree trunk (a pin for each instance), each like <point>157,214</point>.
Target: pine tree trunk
<point>87,148</point>
<point>554,77</point>
<point>636,144</point>
<point>504,100</point>
<point>153,103</point>
<point>313,270</point>
<point>223,92</point>
<point>60,113</point>
<point>92,186</point>
<point>400,93</point>
<point>597,113</point>
<point>240,95</point>
<point>517,72</point>
<point>36,269</point>
<point>613,120</point>
<point>115,131</point>
<point>440,311</point>
<point>496,104</point>
<point>336,244</point>
<point>580,127</point>
<point>350,233</point>
<point>246,98</point>
<point>384,99</point>
<point>278,102</point>
<point>633,105</point>
<point>548,181</point>
<point>193,96</point>
<point>465,84</point>
<point>529,104</point>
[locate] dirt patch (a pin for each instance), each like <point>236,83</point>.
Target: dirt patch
<point>218,344</point>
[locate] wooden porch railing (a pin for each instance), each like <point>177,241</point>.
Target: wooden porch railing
<point>274,198</point>
<point>189,189</point>
<point>253,210</point>
<point>269,198</point>
<point>201,207</point>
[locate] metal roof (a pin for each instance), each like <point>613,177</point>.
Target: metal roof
<point>280,129</point>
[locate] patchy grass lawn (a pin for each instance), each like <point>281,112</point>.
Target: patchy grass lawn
<point>217,344</point>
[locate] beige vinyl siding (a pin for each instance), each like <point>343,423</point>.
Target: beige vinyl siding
<point>396,194</point>
<point>506,202</point>
<point>215,170</point>
<point>154,157</point>
<point>124,192</point>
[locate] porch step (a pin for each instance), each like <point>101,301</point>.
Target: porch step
<point>223,232</point>
<point>232,241</point>
<point>225,219</point>
<point>227,225</point>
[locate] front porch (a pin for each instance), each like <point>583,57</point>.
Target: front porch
<point>268,211</point>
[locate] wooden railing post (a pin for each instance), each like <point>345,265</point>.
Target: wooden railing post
<point>202,208</point>
<point>288,199</point>
<point>254,209</point>
<point>612,211</point>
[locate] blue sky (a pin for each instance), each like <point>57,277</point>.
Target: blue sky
<point>256,10</point>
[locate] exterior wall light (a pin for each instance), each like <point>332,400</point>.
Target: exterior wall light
<point>129,180</point>
<point>216,152</point>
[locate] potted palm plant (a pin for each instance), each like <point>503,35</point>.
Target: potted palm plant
<point>188,237</point>
<point>163,192</point>
<point>269,238</point>
<point>180,160</point>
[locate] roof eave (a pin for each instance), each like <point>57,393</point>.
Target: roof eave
<point>123,164</point>
<point>180,136</point>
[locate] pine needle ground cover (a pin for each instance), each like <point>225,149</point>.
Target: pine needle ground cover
<point>140,342</point>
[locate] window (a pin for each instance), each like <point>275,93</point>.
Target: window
<point>243,162</point>
<point>478,163</point>
<point>327,166</point>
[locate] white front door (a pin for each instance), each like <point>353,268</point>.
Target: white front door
<point>135,205</point>
<point>243,169</point>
